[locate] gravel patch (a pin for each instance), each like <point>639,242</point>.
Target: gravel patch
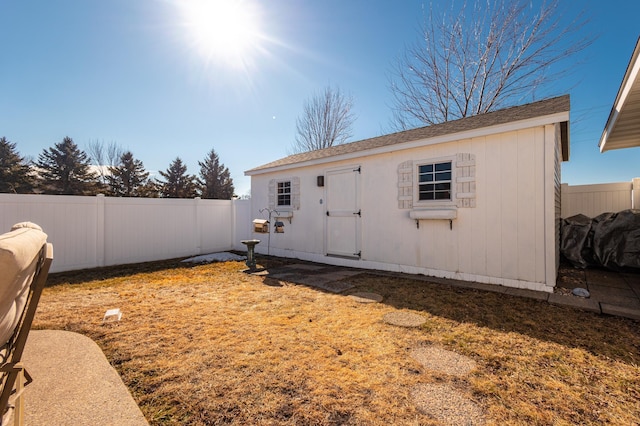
<point>446,404</point>
<point>404,319</point>
<point>443,361</point>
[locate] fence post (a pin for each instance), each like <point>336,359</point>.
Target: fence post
<point>100,241</point>
<point>198,222</point>
<point>635,193</point>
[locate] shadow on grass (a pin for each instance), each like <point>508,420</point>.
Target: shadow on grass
<point>613,337</point>
<point>119,271</point>
<point>617,338</point>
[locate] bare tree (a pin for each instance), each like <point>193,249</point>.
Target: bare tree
<point>483,55</point>
<point>326,120</point>
<point>104,156</point>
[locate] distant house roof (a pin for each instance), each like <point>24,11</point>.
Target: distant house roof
<point>623,125</point>
<point>554,109</point>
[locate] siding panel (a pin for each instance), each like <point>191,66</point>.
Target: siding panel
<point>526,210</point>
<point>509,204</point>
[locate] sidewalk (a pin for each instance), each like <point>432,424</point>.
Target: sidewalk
<point>74,384</point>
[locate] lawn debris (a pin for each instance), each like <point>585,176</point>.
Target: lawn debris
<point>112,315</point>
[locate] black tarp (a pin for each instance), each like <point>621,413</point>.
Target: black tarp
<point>611,240</point>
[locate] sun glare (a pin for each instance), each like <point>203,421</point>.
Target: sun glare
<point>225,31</point>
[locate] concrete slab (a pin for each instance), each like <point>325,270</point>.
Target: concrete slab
<point>636,289</point>
<point>288,276</point>
<point>74,384</point>
<point>327,283</point>
<point>615,296</point>
<point>604,277</point>
<point>631,275</point>
<point>633,280</point>
<point>337,275</point>
<point>621,311</point>
<point>575,302</point>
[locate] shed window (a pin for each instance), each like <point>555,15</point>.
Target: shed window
<point>434,181</point>
<point>284,193</point>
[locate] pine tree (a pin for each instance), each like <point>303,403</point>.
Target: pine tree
<point>177,184</point>
<point>215,179</point>
<point>64,170</point>
<point>150,189</point>
<point>128,177</point>
<point>15,173</point>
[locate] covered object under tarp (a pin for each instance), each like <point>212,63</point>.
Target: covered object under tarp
<point>611,240</point>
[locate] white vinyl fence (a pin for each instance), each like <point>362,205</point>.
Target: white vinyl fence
<point>87,232</point>
<point>592,200</point>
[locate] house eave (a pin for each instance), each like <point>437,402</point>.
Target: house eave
<point>622,129</point>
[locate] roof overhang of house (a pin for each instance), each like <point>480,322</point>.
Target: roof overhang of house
<point>623,125</point>
<point>551,111</point>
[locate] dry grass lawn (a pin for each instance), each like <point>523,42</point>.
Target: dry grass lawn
<point>209,344</point>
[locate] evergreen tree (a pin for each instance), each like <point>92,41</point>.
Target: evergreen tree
<point>15,173</point>
<point>215,179</point>
<point>177,184</point>
<point>150,189</point>
<point>128,177</point>
<point>64,170</point>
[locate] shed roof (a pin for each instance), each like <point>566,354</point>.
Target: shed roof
<point>623,125</point>
<point>496,119</point>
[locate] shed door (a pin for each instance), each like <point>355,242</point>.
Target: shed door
<point>343,212</point>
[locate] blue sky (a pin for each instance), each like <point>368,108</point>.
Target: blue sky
<point>134,73</point>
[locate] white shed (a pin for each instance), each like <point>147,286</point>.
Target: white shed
<point>474,199</point>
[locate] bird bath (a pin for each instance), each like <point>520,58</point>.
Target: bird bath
<point>251,258</point>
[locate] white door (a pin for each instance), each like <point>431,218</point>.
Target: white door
<point>343,212</point>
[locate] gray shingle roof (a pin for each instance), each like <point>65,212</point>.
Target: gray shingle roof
<point>508,115</point>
